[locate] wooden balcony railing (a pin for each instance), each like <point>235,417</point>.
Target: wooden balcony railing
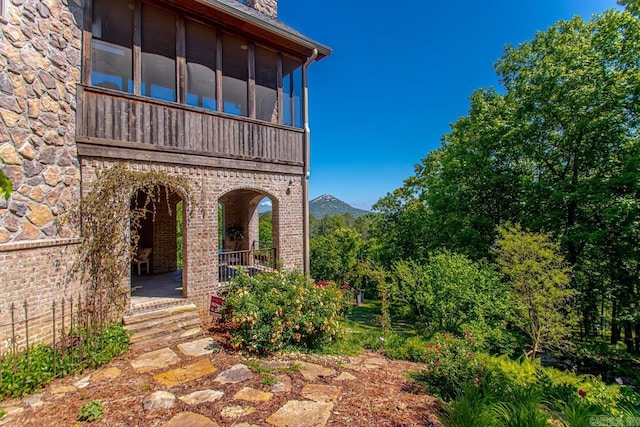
<point>107,116</point>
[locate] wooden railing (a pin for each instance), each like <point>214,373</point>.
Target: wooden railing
<point>109,115</point>
<point>251,261</point>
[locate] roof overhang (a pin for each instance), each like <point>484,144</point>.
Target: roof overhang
<point>238,16</point>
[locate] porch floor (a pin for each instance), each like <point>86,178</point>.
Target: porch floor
<point>156,290</point>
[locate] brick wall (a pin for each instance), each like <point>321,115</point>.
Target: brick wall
<point>201,220</point>
<point>37,273</point>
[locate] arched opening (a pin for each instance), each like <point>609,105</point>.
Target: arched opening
<point>157,267</point>
<point>247,232</point>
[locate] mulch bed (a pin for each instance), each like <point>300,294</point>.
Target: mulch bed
<point>379,397</point>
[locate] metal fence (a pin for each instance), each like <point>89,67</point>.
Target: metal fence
<point>70,330</point>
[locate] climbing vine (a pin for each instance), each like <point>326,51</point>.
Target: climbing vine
<point>111,216</point>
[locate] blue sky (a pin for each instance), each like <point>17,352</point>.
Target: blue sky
<point>401,72</point>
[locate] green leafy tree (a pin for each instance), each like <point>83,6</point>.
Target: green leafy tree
<point>448,292</point>
<point>556,150</point>
<point>539,280</point>
<point>265,229</point>
<point>334,255</point>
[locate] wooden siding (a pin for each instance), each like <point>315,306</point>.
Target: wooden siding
<point>108,115</point>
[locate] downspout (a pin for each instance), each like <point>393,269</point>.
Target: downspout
<point>307,158</point>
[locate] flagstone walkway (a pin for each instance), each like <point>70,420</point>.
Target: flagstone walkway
<point>195,384</point>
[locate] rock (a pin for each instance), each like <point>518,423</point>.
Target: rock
<point>311,371</point>
<point>9,155</point>
<point>159,400</point>
<point>39,215</point>
<point>301,414</point>
<point>252,395</point>
<point>83,382</point>
<point>61,390</point>
<point>52,176</point>
<point>155,360</point>
<point>236,374</point>
<point>202,396</point>
<point>236,411</point>
<point>345,376</point>
<point>9,117</point>
<point>190,419</point>
<point>321,392</point>
<point>35,399</point>
<point>199,347</point>
<point>29,232</point>
<point>18,208</point>
<point>283,385</point>
<point>106,374</point>
<point>183,375</point>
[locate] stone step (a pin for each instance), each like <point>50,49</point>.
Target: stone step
<point>159,318</point>
<point>153,329</point>
<point>141,305</point>
<point>171,326</point>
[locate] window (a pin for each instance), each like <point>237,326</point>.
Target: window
<point>292,91</point>
<point>112,43</point>
<point>158,58</point>
<point>201,65</point>
<point>266,85</point>
<point>235,75</point>
<point>215,73</point>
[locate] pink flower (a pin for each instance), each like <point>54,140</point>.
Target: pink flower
<point>437,363</point>
<point>469,354</point>
<point>582,393</point>
<point>429,345</point>
<point>478,379</point>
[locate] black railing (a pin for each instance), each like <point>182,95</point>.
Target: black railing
<point>252,261</point>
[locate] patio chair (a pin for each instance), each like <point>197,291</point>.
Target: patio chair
<point>142,259</point>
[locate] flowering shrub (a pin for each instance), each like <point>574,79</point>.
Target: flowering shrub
<point>272,311</point>
<point>452,366</point>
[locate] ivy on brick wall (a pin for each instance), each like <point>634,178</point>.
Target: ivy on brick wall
<point>110,225</point>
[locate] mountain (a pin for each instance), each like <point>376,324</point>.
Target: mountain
<point>329,205</point>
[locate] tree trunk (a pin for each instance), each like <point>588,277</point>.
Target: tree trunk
<point>628,337</point>
<point>637,340</point>
<point>615,327</point>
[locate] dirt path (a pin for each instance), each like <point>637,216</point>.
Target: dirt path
<point>368,390</point>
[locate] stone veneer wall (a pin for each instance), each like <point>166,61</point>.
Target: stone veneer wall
<point>40,44</point>
<point>268,7</point>
<point>201,222</point>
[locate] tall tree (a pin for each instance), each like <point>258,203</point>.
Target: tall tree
<point>557,151</point>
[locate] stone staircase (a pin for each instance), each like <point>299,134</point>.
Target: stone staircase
<point>160,326</point>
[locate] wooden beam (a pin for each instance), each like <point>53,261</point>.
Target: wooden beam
<point>181,67</point>
<point>87,36</point>
<point>280,102</point>
<point>251,87</point>
<point>137,43</point>
<point>90,147</point>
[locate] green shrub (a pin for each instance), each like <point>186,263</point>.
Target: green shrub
<point>452,366</point>
<point>276,310</point>
<point>405,347</point>
<point>448,292</point>
<point>91,411</point>
<point>23,374</point>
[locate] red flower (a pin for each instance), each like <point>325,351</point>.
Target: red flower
<point>437,363</point>
<point>582,393</point>
<point>469,354</point>
<point>478,379</point>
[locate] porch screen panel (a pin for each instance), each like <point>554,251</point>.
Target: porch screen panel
<point>266,85</point>
<point>201,65</point>
<point>292,91</point>
<point>112,44</point>
<point>235,75</point>
<point>158,59</point>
